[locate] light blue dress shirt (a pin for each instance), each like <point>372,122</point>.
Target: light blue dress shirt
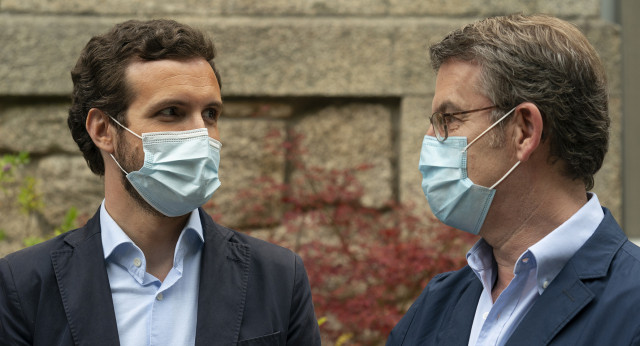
<point>148,311</point>
<point>535,270</point>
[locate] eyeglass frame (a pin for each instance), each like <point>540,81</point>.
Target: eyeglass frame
<point>443,115</point>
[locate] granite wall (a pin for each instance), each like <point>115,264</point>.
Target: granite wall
<point>351,76</point>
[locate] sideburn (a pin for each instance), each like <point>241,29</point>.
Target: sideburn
<point>126,157</point>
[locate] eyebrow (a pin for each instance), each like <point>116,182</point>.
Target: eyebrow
<point>177,102</point>
<point>447,105</point>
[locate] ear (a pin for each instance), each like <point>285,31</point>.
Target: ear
<point>528,130</point>
<point>100,130</point>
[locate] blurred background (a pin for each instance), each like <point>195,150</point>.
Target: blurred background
<point>326,103</point>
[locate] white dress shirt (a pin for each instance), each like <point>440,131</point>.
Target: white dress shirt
<point>148,311</point>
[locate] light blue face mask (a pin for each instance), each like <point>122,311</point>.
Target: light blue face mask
<point>180,171</point>
<point>454,199</point>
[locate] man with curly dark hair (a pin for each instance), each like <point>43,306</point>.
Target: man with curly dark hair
<point>519,127</point>
<point>151,267</point>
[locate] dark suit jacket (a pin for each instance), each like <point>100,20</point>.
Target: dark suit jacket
<point>595,300</point>
<point>251,292</point>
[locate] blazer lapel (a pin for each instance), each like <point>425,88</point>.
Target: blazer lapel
<point>457,330</point>
<point>223,285</point>
<point>559,303</point>
<point>84,287</point>
<point>568,294</point>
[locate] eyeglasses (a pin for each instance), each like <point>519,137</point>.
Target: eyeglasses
<point>439,122</point>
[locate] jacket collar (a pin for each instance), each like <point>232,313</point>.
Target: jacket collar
<point>84,285</point>
<point>568,294</point>
<point>223,285</point>
<point>458,328</point>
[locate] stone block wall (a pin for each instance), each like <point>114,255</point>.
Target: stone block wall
<point>352,77</point>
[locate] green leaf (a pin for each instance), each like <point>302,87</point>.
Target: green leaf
<point>30,241</point>
<point>68,223</point>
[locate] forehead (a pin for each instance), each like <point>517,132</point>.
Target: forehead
<point>457,86</point>
<point>150,80</point>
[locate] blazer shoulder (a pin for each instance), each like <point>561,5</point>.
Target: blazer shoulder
<point>632,250</point>
<point>451,280</point>
<point>37,258</point>
<point>261,250</point>
<point>625,270</point>
<point>35,255</point>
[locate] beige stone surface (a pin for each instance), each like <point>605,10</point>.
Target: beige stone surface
<point>66,181</point>
<point>250,108</point>
<point>344,136</point>
<point>110,7</point>
<point>353,77</point>
<point>251,149</point>
<point>62,182</point>
<point>311,57</point>
<point>275,57</point>
<point>606,38</point>
<point>37,128</point>
<point>305,7</point>
<point>571,8</point>
<point>436,7</point>
<point>414,122</point>
<point>38,52</point>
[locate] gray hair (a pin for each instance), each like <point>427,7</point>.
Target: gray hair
<point>548,62</point>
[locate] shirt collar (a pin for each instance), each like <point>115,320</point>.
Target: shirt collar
<point>550,254</point>
<point>113,236</point>
<point>554,250</point>
<point>480,260</point>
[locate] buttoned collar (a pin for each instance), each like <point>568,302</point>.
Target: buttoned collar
<point>119,248</point>
<point>552,252</point>
<point>549,255</point>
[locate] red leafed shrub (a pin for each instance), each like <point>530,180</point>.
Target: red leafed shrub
<point>366,266</point>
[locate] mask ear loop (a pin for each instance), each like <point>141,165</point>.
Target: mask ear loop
<point>482,134</point>
<point>116,161</point>
<point>487,130</point>
<point>117,122</point>
<point>506,175</point>
<point>133,133</point>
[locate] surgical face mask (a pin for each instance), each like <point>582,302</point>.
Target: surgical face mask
<point>180,171</point>
<point>454,199</point>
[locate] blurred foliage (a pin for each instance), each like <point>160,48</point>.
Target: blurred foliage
<point>365,265</point>
<point>20,189</point>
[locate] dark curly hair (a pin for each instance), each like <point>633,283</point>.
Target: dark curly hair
<point>548,62</point>
<point>99,74</point>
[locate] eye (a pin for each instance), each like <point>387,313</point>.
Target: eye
<point>210,114</point>
<point>447,118</point>
<point>170,111</point>
<point>450,119</point>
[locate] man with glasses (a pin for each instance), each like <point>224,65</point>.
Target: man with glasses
<point>519,127</point>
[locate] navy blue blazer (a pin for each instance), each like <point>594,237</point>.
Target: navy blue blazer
<point>595,300</point>
<point>251,292</point>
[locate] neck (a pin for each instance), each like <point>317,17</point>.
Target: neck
<point>155,234</point>
<point>528,215</point>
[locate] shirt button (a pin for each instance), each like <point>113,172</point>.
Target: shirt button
<point>485,315</point>
<point>545,284</point>
<point>159,296</point>
<point>137,262</point>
